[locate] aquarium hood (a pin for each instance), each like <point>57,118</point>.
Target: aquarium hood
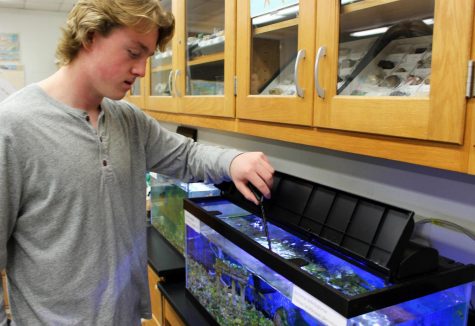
<point>371,234</point>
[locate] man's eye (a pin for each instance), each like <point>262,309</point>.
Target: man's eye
<point>133,54</point>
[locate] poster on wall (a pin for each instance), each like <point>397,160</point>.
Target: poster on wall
<point>12,78</point>
<point>12,74</point>
<point>9,47</point>
<point>261,7</point>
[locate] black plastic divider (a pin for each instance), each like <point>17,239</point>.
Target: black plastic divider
<point>372,234</point>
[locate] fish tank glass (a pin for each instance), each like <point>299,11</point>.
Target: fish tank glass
<point>237,287</point>
<point>167,214</point>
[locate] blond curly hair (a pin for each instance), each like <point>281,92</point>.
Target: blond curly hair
<point>101,16</point>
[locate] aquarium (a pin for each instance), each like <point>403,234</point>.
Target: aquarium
<point>232,273</point>
<point>167,214</point>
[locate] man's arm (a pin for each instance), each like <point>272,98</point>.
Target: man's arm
<point>178,156</point>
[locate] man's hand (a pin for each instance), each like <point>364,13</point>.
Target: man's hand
<point>253,167</point>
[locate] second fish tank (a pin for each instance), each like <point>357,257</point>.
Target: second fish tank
<point>167,214</point>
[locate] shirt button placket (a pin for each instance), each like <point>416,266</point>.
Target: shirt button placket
<point>103,149</point>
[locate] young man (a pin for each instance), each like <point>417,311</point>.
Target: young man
<point>72,172</point>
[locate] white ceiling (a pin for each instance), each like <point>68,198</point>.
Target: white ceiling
<point>47,5</point>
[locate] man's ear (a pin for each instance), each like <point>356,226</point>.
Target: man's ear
<point>89,40</point>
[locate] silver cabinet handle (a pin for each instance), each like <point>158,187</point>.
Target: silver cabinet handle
<point>322,51</point>
<point>170,75</point>
<point>300,57</point>
<point>177,91</point>
<point>468,92</point>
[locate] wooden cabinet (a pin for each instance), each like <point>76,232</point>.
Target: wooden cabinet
<point>471,132</point>
<point>439,115</point>
<point>163,313</point>
<point>285,93</point>
<point>159,88</point>
<point>274,61</point>
<point>6,305</point>
<point>136,95</point>
<point>471,118</point>
<point>156,298</point>
<point>409,98</point>
<point>170,317</point>
<point>196,74</point>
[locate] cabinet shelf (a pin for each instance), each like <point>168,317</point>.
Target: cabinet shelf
<point>276,26</point>
<point>365,4</point>
<point>162,68</point>
<point>206,59</point>
<point>354,16</point>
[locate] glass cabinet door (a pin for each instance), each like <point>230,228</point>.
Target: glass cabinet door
<point>393,67</point>
<point>207,77</point>
<point>136,89</point>
<point>161,88</point>
<point>136,95</point>
<point>275,50</point>
<point>162,73</point>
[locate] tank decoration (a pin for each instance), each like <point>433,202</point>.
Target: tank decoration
<point>227,306</point>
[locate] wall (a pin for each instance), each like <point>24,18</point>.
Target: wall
<point>39,33</point>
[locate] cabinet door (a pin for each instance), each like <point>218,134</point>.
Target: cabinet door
<point>155,297</point>
<point>275,51</point>
<point>136,95</point>
<point>471,130</point>
<point>170,317</point>
<point>206,79</point>
<point>408,81</point>
<point>6,306</point>
<point>160,90</point>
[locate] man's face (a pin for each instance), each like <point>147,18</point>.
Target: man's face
<point>115,61</point>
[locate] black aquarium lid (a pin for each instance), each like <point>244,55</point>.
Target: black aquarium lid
<point>367,232</point>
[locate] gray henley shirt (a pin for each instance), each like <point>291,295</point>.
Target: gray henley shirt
<point>72,206</point>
